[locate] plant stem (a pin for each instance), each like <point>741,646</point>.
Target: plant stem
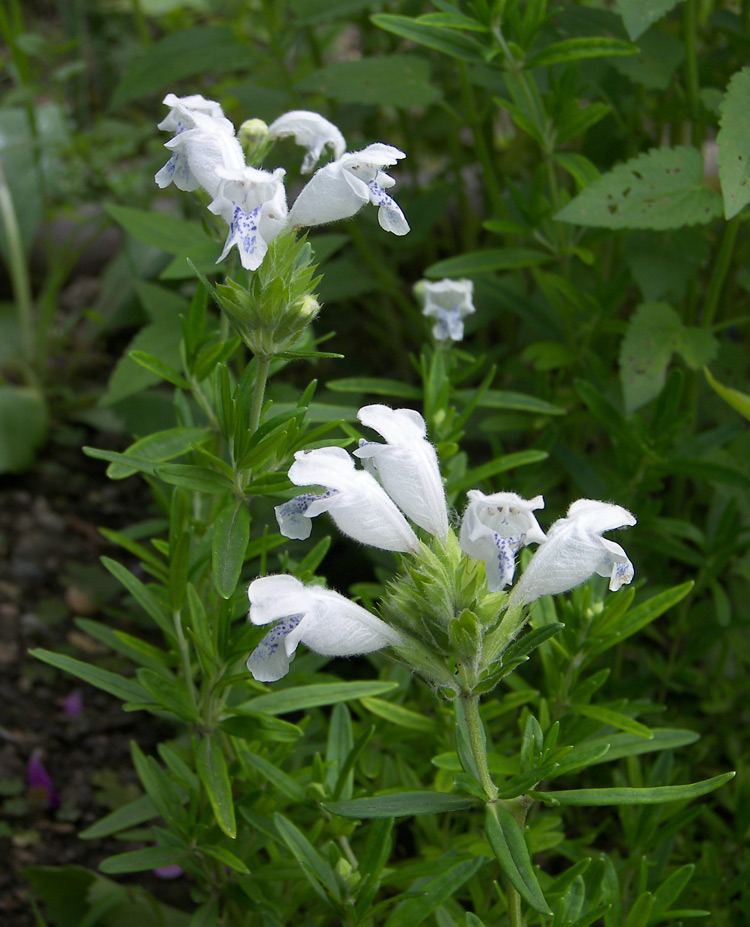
<point>476,741</point>
<point>19,274</point>
<point>691,67</point>
<point>264,363</point>
<point>480,144</point>
<point>721,266</point>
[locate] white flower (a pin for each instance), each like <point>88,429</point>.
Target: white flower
<point>253,203</point>
<point>575,550</point>
<point>447,301</point>
<point>494,528</point>
<point>326,622</point>
<point>204,143</point>
<point>407,465</point>
<point>311,131</point>
<point>354,499</point>
<point>340,189</point>
<point>183,110</point>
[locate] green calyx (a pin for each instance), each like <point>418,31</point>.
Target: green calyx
<point>440,605</point>
<point>273,310</point>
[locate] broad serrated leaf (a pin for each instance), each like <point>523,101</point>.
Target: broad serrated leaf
<point>181,54</point>
<point>388,80</point>
<point>651,338</point>
<point>660,189</point>
<point>734,144</point>
<point>638,15</point>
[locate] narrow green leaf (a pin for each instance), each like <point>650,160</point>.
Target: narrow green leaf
<point>197,479</point>
<point>640,913</point>
<point>627,795</point>
<point>142,594</point>
<point>141,860</point>
<point>398,715</point>
<point>621,745</point>
<point>170,693</point>
<point>212,769</point>
<point>315,867</point>
<point>230,539</point>
<point>509,846</point>
<point>740,402</point>
<point>226,857</point>
<point>614,718</point>
<point>455,45</point>
<point>433,892</point>
<point>160,368</point>
<point>123,818</point>
<point>158,448</point>
<point>486,262</point>
<point>400,804</point>
<point>128,690</point>
<point>301,697</point>
<point>283,782</point>
<point>578,48</point>
<point>376,387</point>
<point>493,467</point>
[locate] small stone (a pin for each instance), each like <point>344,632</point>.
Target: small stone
<point>80,602</point>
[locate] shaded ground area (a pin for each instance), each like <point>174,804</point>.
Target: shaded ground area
<point>49,574</point>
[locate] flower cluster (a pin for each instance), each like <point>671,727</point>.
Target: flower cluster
<point>401,482</point>
<point>207,154</point>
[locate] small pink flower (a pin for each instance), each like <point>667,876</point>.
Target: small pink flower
<point>39,787</point>
<point>169,872</point>
<point>72,704</point>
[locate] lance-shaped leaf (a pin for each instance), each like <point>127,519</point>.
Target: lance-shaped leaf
<point>638,15</point>
<point>212,769</point>
<point>659,189</point>
<point>400,804</point>
<point>628,795</point>
<point>509,846</point>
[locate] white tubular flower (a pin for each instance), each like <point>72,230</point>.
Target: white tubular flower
<point>357,503</point>
<point>182,112</point>
<point>311,131</point>
<point>204,145</point>
<point>326,622</point>
<point>448,302</point>
<point>494,528</point>
<point>340,189</point>
<point>253,203</point>
<point>575,550</point>
<point>407,465</point>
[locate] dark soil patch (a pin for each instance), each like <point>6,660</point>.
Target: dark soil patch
<point>49,572</point>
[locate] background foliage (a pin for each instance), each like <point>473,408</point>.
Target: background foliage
<point>586,166</point>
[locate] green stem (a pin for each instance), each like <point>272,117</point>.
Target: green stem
<point>19,274</point>
<point>264,364</point>
<point>476,741</point>
<point>691,67</point>
<point>721,267</point>
<point>480,144</point>
<point>185,657</point>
